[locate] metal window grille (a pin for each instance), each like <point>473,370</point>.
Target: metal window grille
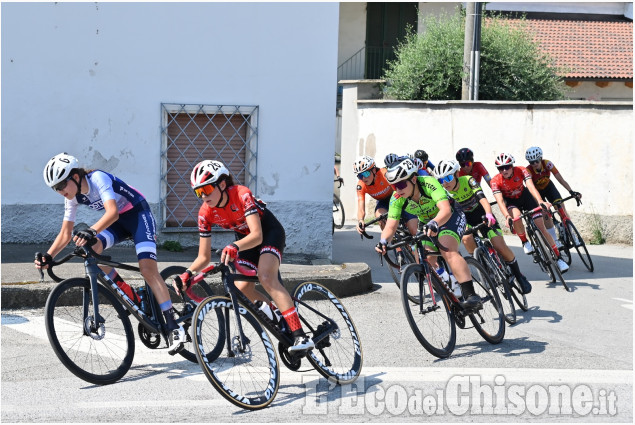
<point>192,133</point>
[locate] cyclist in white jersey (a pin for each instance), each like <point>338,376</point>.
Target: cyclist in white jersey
<point>126,214</point>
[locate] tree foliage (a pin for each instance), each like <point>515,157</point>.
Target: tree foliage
<point>429,66</point>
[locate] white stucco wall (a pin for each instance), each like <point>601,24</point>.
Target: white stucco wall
<point>590,143</point>
<point>89,78</point>
<point>588,90</point>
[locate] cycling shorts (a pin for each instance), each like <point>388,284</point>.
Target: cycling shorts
<point>385,204</point>
<point>475,217</point>
<point>550,193</point>
<point>455,227</point>
<point>273,242</point>
<point>137,223</point>
<point>524,202</point>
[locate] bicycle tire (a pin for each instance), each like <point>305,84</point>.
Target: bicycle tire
<point>489,320</point>
<point>398,261</point>
<point>519,296</point>
<point>339,356</point>
<point>565,253</point>
<point>102,357</point>
<point>248,379</point>
<point>583,252</point>
<point>500,281</point>
<point>540,254</point>
<point>183,308</point>
<point>338,212</point>
<point>435,328</point>
<point>551,260</point>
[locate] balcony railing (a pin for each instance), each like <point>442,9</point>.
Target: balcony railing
<point>367,63</point>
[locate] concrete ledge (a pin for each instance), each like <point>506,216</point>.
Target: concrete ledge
<point>343,280</point>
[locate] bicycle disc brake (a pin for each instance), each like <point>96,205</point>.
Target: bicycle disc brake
<point>150,339</point>
<point>98,332</point>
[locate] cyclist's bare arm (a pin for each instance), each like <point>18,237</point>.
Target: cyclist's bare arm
<point>361,213</point>
<point>111,215</point>
<point>204,255</point>
<point>501,204</point>
<point>534,192</point>
<point>389,231</point>
<point>562,181</point>
<point>62,239</point>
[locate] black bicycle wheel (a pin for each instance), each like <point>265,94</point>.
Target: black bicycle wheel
<point>499,277</point>
<point>580,246</point>
<point>540,254</point>
<point>489,320</point>
<point>428,312</point>
<point>246,375</point>
<point>550,258</point>
<point>517,293</point>
<point>338,212</point>
<point>565,254</point>
<point>339,356</point>
<point>97,351</point>
<point>397,261</point>
<point>183,308</point>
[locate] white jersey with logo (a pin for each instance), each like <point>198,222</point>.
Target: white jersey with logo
<point>103,187</point>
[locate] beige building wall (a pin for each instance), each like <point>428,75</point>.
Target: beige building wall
<point>589,142</point>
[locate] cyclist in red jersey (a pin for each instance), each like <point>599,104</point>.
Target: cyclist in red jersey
<point>372,181</point>
<point>540,170</point>
<point>514,191</point>
<point>259,245</point>
<point>469,167</point>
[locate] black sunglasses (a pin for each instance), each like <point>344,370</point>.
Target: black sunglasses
<point>505,167</point>
<point>61,185</point>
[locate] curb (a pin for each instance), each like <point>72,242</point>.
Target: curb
<point>343,280</point>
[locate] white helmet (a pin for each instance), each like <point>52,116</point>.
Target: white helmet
<point>445,168</point>
<point>59,168</point>
<point>534,153</point>
<point>419,163</point>
<point>207,172</point>
<point>401,171</point>
<point>390,158</point>
<point>363,163</point>
<point>504,159</point>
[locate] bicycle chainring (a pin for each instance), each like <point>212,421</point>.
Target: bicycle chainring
<point>149,339</point>
<point>291,361</point>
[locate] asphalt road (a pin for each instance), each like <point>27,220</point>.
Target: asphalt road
<point>568,359</point>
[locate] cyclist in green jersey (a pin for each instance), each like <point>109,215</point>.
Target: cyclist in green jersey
<point>424,197</point>
<point>467,192</point>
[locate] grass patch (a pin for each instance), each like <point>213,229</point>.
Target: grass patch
<point>172,246</point>
<point>597,229</point>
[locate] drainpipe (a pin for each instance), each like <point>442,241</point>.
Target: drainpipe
<point>467,47</point>
<point>475,54</point>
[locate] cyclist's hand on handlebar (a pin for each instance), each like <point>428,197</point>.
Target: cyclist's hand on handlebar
<point>44,264</point>
<point>340,180</point>
<point>432,228</point>
<point>83,237</point>
<point>182,281</point>
<point>381,247</point>
<point>361,226</point>
<point>577,195</point>
<point>230,252</point>
<point>546,206</point>
<point>510,222</point>
<point>490,219</point>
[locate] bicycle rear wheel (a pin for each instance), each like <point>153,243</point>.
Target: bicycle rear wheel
<point>428,313</point>
<point>338,212</point>
<point>339,356</point>
<point>201,289</point>
<point>248,376</point>
<point>499,278</point>
<point>580,246</point>
<point>97,351</point>
<point>489,320</point>
<point>550,259</point>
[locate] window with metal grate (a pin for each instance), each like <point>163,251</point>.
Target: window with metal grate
<point>193,133</point>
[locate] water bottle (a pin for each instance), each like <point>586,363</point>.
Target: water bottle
<point>143,299</point>
<point>451,280</point>
<point>280,320</point>
<point>264,307</point>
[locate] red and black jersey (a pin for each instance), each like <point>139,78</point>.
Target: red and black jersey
<point>232,216</point>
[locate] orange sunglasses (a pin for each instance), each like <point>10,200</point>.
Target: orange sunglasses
<point>204,190</point>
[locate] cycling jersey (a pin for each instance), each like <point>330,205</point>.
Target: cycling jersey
<point>467,193</point>
<point>541,179</point>
<point>380,189</point>
<point>478,172</point>
<point>103,187</point>
<point>513,186</point>
<point>426,209</point>
<point>240,205</point>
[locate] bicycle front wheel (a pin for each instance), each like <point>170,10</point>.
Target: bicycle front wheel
<point>398,260</point>
<point>519,296</point>
<point>550,259</point>
<point>338,212</point>
<point>339,356</point>
<point>428,311</point>
<point>97,350</point>
<point>576,240</point>
<point>244,371</point>
<point>499,277</point>
<point>183,309</point>
<point>489,320</point>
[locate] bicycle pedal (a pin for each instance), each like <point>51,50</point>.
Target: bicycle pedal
<point>176,349</point>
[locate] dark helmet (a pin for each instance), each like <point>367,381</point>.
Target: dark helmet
<point>421,154</point>
<point>464,154</point>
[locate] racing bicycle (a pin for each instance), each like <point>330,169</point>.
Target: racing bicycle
<point>233,344</point>
<point>569,235</point>
<point>338,209</point>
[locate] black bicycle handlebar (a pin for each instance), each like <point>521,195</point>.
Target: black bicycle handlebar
<point>416,238</point>
<point>373,221</point>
